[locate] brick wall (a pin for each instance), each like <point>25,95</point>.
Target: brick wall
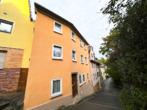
<point>9,80</point>
<point>9,76</point>
<point>13,58</point>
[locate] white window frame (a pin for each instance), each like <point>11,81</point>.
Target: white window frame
<point>80,84</point>
<point>81,59</point>
<point>58,93</point>
<point>83,78</point>
<point>74,36</point>
<point>75,56</point>
<point>13,24</point>
<point>86,62</point>
<point>55,29</point>
<point>59,58</point>
<point>85,46</point>
<point>81,43</point>
<point>88,77</point>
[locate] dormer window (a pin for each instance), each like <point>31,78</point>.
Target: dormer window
<point>91,55</point>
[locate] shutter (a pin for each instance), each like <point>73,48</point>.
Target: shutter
<point>2,58</point>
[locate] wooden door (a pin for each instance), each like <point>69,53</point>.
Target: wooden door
<point>74,85</point>
<point>23,79</point>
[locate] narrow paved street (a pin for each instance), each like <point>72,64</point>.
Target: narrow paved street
<point>106,99</point>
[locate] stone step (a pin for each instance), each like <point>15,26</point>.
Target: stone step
<point>8,108</point>
<point>4,104</point>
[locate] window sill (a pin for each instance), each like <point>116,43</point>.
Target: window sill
<point>81,84</point>
<point>84,82</point>
<point>74,40</point>
<point>56,58</point>
<point>6,32</point>
<point>56,95</point>
<point>82,62</point>
<point>81,46</point>
<point>74,60</point>
<point>86,63</point>
<point>58,32</point>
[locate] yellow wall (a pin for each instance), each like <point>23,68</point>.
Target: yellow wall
<point>21,37</point>
<point>43,68</point>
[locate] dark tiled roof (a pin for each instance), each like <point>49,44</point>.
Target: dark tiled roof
<point>51,14</point>
<point>95,61</point>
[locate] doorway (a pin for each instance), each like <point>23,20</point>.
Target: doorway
<point>74,84</point>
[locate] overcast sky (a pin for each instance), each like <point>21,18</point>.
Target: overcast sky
<point>85,15</point>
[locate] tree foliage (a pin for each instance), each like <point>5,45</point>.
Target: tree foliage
<point>102,60</point>
<point>126,50</point>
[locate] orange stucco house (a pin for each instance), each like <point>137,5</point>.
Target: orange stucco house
<point>59,72</point>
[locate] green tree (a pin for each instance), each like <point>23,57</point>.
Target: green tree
<point>109,48</point>
<point>102,60</point>
<point>129,55</point>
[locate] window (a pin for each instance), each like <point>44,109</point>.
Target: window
<point>2,58</point>
<point>96,75</point>
<point>84,78</point>
<point>57,27</point>
<point>1,1</point>
<point>56,87</point>
<point>73,36</point>
<point>80,42</point>
<point>80,80</point>
<point>88,77</point>
<point>85,46</point>
<point>6,26</point>
<point>93,77</point>
<point>91,55</point>
<point>73,55</point>
<point>86,60</point>
<point>82,59</point>
<point>57,52</point>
